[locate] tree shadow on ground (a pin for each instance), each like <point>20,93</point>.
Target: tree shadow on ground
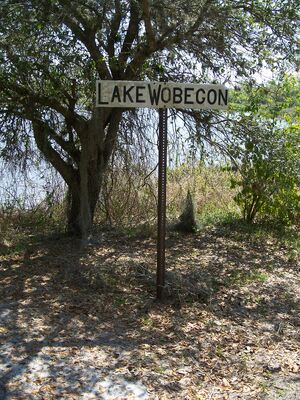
<point>86,321</point>
<point>256,277</point>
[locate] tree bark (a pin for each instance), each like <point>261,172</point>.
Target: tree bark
<point>82,203</point>
<point>97,145</point>
<point>73,212</point>
<point>87,164</point>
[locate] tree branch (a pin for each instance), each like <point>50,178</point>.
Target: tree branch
<point>112,133</point>
<point>71,117</point>
<point>151,41</point>
<point>131,34</point>
<point>87,38</point>
<point>115,24</point>
<point>41,130</point>
<point>67,146</point>
<point>86,35</point>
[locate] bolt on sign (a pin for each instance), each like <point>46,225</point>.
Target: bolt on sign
<point>130,94</point>
<point>161,95</point>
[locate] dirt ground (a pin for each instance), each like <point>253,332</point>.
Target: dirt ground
<point>84,324</point>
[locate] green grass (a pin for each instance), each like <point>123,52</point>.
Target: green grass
<point>243,278</point>
<point>291,239</point>
<point>233,224</point>
<point>212,216</point>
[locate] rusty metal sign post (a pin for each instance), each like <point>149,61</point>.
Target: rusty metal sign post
<point>161,95</point>
<point>161,202</point>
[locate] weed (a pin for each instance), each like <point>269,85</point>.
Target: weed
<point>120,301</point>
<point>219,352</point>
<point>147,321</point>
<point>241,278</point>
<point>211,216</point>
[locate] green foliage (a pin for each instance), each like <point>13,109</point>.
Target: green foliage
<point>218,216</point>
<point>267,152</point>
<point>243,278</point>
<point>52,52</point>
<point>210,186</point>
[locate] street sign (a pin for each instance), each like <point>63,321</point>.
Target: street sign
<point>130,94</point>
<point>161,95</point>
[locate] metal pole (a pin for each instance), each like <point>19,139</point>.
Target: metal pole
<point>161,207</point>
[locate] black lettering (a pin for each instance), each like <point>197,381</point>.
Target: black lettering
<point>99,95</point>
<point>116,94</point>
<point>163,91</point>
<point>126,93</point>
<point>223,97</point>
<point>154,94</point>
<point>202,99</point>
<point>187,95</point>
<point>140,94</point>
<point>212,99</point>
<point>177,95</point>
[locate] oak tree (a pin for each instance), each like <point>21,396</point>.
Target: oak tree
<point>52,52</point>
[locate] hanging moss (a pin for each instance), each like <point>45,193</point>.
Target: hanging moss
<point>187,220</point>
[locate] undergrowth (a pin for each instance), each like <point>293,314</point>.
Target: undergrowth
<point>131,211</point>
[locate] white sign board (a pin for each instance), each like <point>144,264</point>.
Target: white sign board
<point>129,94</point>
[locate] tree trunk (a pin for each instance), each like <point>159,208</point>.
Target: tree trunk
<point>82,201</point>
<point>96,149</point>
<point>84,173</point>
<point>73,212</point>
